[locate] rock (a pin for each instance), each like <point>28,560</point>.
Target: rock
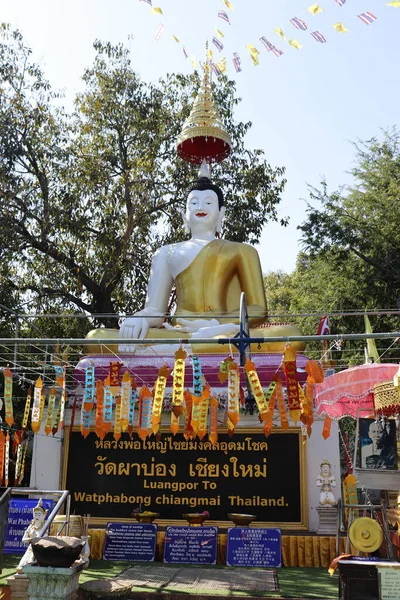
<point>102,589</point>
<point>57,551</point>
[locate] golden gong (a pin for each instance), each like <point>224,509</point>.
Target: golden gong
<point>365,534</point>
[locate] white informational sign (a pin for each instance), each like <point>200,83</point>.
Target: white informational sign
<point>389,582</point>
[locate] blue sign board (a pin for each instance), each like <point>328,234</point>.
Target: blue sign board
<point>191,545</point>
<point>130,541</point>
<point>253,547</point>
<point>19,518</point>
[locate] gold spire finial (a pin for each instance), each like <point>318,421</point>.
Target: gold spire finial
<point>203,135</point>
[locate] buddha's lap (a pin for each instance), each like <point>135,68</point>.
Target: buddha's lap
<point>284,331</point>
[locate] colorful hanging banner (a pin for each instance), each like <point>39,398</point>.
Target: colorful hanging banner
<point>270,396</point>
<point>203,417</point>
<point>22,473</point>
<point>281,405</point>
<point>213,433</point>
<point>188,433</point>
<point>6,458</point>
<point>8,387</point>
<point>326,431</point>
<point>57,417</point>
<point>108,402</point>
<point>2,453</point>
<point>289,366</point>
<point>50,409</point>
<point>117,422</point>
<point>197,376</point>
<point>99,426</point>
<point>27,409</point>
<point>159,391</point>
<point>18,463</point>
<point>126,389</point>
<point>145,402</point>
<point>132,403</point>
<point>178,382</point>
<point>37,399</point>
<point>256,388</point>
<point>233,396</point>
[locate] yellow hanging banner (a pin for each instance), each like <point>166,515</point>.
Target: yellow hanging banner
<point>159,391</point>
<point>50,410</point>
<point>178,382</point>
<point>8,386</point>
<point>27,409</point>
<point>37,398</point>
<point>257,390</point>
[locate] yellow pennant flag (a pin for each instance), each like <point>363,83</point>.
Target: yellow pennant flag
<point>314,9</point>
<point>228,4</point>
<point>209,54</point>
<point>372,354</point>
<point>340,27</point>
<point>219,33</point>
<point>395,3</point>
<point>252,49</point>
<point>222,65</point>
<point>193,61</point>
<point>293,42</point>
<point>156,11</point>
<point>279,31</point>
<point>175,38</point>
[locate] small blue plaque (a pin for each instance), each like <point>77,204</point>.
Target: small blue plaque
<point>191,545</point>
<point>130,541</point>
<point>20,516</point>
<point>253,547</point>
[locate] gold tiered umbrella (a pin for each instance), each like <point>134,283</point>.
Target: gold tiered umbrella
<point>203,136</point>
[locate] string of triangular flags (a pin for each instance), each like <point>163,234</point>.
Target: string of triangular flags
<point>220,66</point>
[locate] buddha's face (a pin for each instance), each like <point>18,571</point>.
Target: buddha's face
<point>202,210</point>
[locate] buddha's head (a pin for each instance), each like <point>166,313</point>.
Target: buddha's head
<point>204,207</point>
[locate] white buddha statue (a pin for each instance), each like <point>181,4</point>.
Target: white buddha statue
<point>209,275</point>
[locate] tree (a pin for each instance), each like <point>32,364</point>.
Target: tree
<point>360,231</point>
<point>88,197</point>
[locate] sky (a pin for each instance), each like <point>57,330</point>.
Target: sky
<point>306,106</point>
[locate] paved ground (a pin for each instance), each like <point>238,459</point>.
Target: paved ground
<point>205,579</point>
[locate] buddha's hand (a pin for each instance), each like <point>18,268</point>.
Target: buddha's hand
<point>203,328</point>
<point>191,325</point>
<point>134,328</point>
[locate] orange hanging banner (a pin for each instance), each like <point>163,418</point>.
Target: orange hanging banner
<point>289,365</point>
<point>203,417</point>
<point>281,405</point>
<point>326,431</point>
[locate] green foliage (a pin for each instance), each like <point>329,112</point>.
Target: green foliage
<point>351,257</point>
<point>88,197</point>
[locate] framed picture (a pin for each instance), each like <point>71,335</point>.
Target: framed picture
<point>378,444</point>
